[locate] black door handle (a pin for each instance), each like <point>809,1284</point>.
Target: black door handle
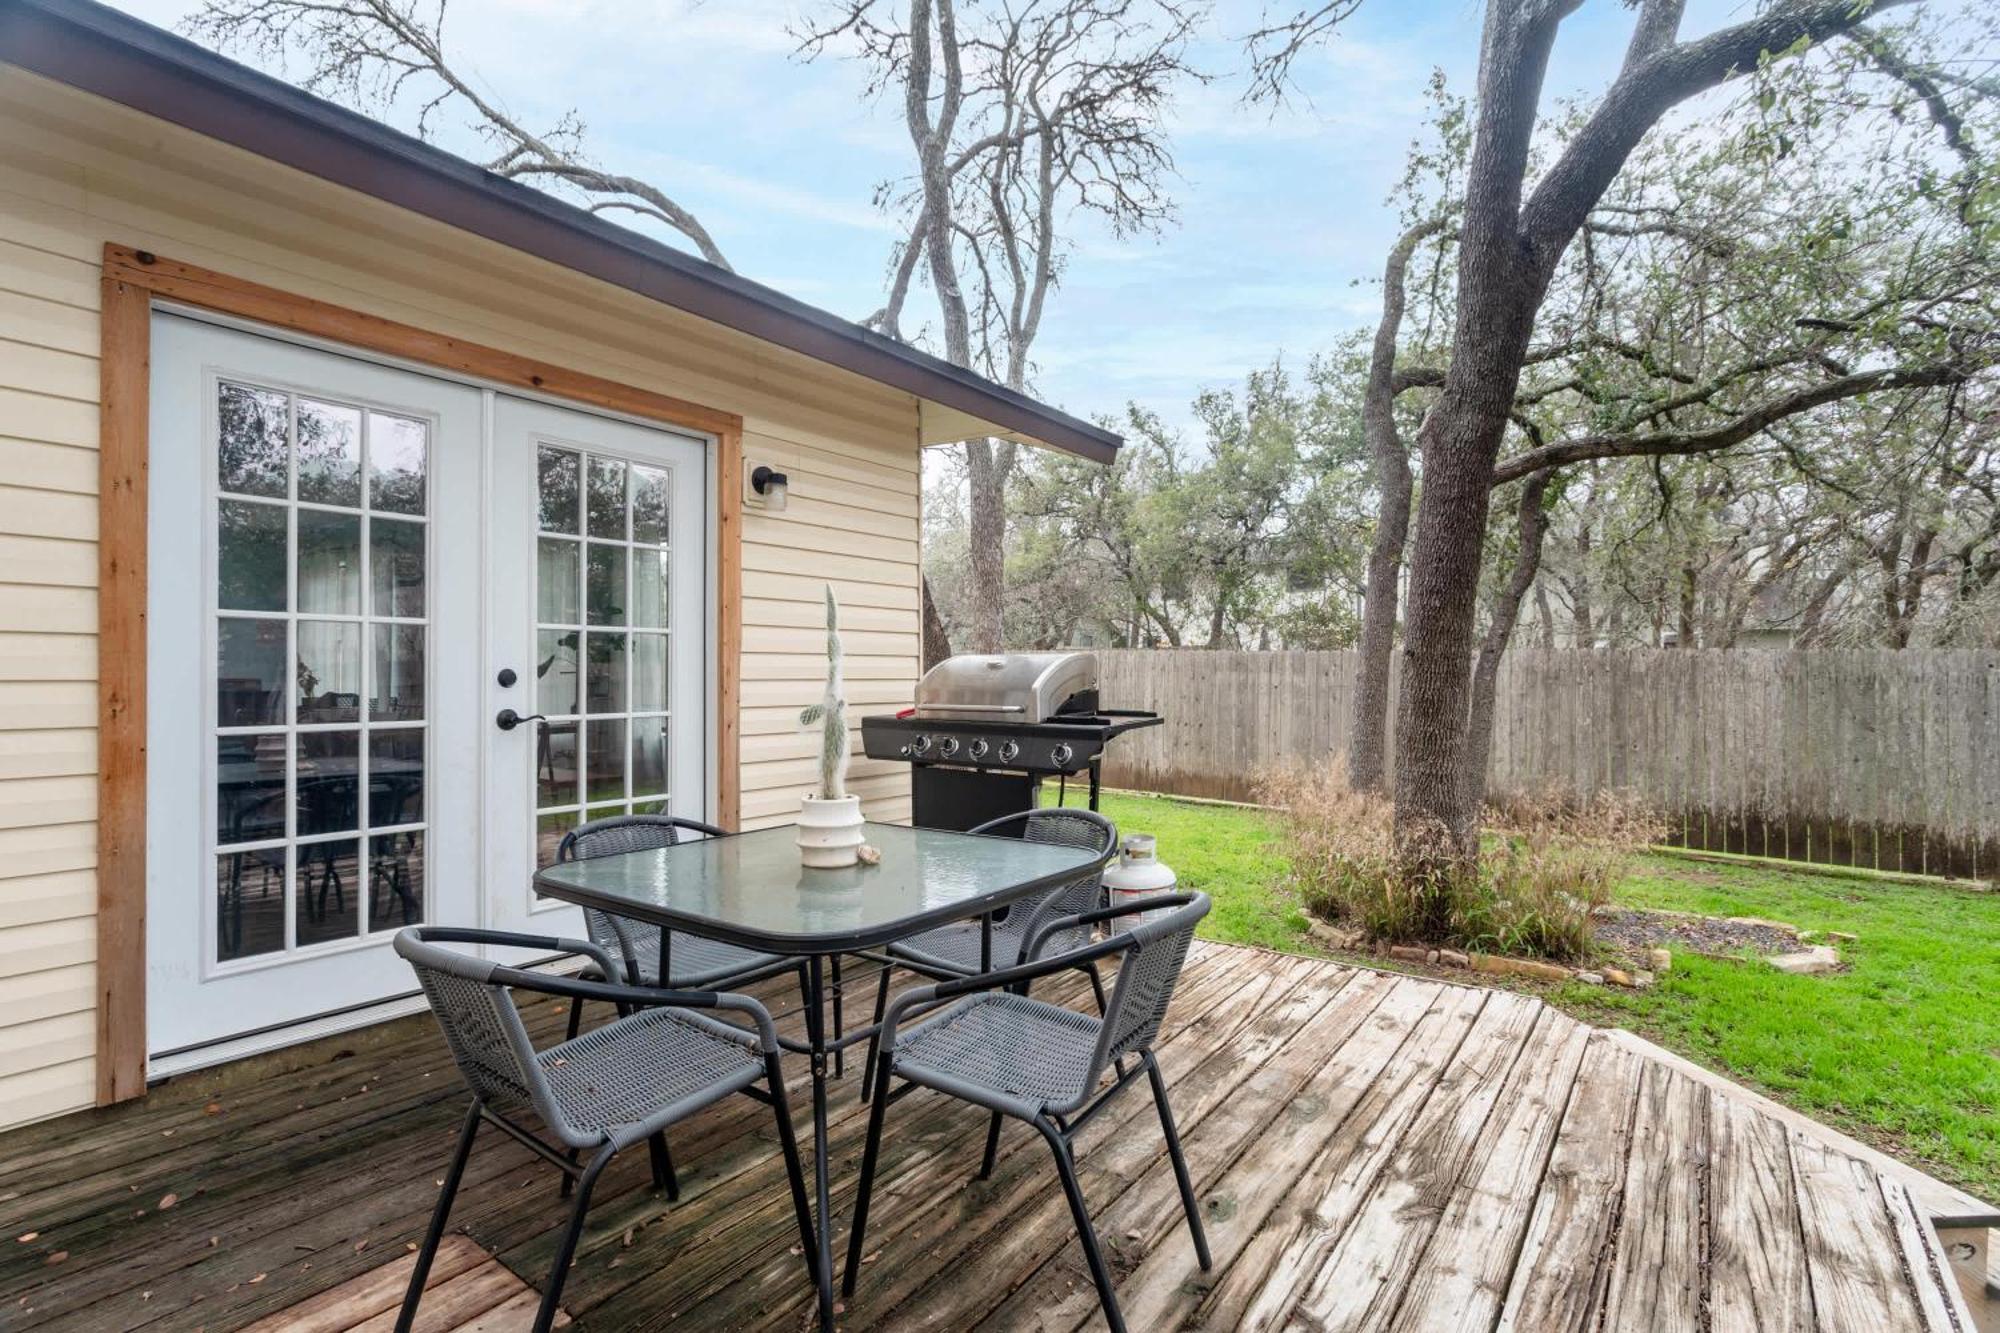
<point>507,719</point>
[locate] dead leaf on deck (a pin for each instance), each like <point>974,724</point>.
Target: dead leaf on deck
<point>27,1236</point>
<point>57,1257</point>
<point>213,1108</point>
<point>259,1278</point>
<point>167,1201</point>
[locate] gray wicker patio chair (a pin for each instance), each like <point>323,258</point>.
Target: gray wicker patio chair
<point>983,1040</point>
<point>605,1091</point>
<point>950,952</point>
<point>692,961</point>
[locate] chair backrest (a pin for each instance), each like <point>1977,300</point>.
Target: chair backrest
<point>1085,830</point>
<point>609,837</point>
<point>482,1027</point>
<point>1147,975</point>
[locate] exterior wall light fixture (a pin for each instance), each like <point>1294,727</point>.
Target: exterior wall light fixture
<point>772,486</point>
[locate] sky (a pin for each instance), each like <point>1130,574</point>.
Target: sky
<point>1283,215</point>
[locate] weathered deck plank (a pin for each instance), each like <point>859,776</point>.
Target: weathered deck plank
<point>1757,1260</point>
<point>1559,1276</point>
<point>1657,1271</point>
<point>1370,1151</point>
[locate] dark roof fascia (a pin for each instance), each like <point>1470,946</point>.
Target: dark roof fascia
<point>115,56</point>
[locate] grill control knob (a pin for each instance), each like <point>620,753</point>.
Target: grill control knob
<point>905,751</point>
<point>978,748</point>
<point>949,747</point>
<point>1008,749</point>
<point>1061,754</point>
<point>921,745</point>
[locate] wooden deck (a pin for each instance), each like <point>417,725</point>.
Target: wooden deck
<point>1372,1151</point>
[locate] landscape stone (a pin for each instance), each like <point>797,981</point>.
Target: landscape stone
<point>1819,959</point>
<point>1519,967</point>
<point>1661,960</point>
<point>1409,953</point>
<point>1453,958</point>
<point>1590,978</point>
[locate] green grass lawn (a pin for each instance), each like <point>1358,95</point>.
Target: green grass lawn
<point>1901,1051</point>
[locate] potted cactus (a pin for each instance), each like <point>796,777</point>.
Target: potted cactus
<point>830,823</point>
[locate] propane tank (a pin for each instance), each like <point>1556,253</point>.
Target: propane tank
<point>1137,873</point>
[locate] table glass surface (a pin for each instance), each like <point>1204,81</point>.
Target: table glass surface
<point>750,889</point>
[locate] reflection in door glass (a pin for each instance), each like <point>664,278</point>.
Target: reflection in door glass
<point>559,488</point>
<point>249,672</point>
<point>329,454</point>
<point>329,879</point>
<point>603,687</point>
<point>250,893</point>
<point>250,559</point>
<point>398,458</point>
<point>321,556</point>
<point>253,442</point>
<point>396,880</point>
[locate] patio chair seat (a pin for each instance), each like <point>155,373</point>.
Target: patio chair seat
<point>1005,1052</point>
<point>650,1068</point>
<point>696,962</point>
<point>954,949</point>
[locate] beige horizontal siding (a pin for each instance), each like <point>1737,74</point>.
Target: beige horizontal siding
<point>48,467</point>
<point>77,172</point>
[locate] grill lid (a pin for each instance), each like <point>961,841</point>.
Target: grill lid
<point>1007,687</point>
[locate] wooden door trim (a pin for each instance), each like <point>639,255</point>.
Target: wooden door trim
<point>132,280</point>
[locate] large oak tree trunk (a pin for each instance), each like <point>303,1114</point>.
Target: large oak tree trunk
<point>987,531</point>
<point>936,640</point>
<point>1500,284</point>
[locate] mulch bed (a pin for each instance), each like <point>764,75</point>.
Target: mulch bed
<point>1636,931</point>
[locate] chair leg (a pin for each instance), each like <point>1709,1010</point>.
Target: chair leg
<point>421,1273</point>
<point>545,1317</point>
<point>839,1024</point>
<point>1086,1234</point>
<point>575,1017</point>
<point>875,1038</point>
<point>992,1147</point>
<point>1097,988</point>
<point>788,1140</point>
<point>876,1114</point>
<point>663,1167</point>
<point>1189,1204</point>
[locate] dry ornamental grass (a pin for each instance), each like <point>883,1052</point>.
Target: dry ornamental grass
<point>1546,861</point>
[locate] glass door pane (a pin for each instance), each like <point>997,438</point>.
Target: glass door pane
<point>602,658</point>
<point>319,721</point>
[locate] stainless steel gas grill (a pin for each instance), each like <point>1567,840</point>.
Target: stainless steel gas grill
<point>987,730</point>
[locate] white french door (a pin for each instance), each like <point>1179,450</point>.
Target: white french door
<point>312,609</point>
<point>598,615</point>
<point>354,568</point>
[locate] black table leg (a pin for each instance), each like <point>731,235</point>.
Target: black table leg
<point>822,1191</point>
<point>986,942</point>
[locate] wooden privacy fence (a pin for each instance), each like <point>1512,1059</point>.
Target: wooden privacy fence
<point>1870,757</point>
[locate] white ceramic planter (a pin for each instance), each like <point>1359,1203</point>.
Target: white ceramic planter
<point>829,832</point>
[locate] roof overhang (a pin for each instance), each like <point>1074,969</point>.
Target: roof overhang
<point>124,60</point>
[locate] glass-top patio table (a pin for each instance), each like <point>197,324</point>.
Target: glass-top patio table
<point>749,889</point>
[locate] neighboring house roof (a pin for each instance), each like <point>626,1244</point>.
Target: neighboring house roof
<point>115,56</point>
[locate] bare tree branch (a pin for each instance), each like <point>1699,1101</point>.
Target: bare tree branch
<point>368,52</point>
<point>1733,432</point>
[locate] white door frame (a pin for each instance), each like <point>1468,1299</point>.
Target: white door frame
<point>714,455</point>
